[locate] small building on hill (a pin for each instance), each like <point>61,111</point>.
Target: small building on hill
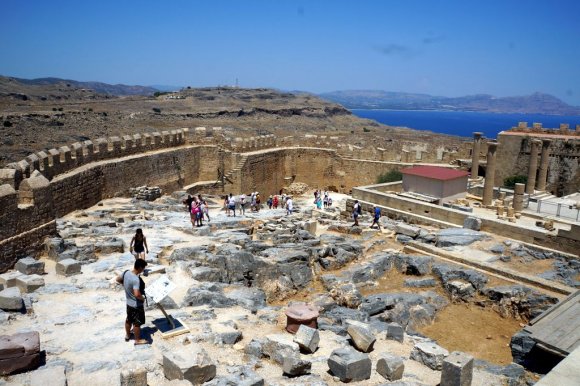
<point>434,183</point>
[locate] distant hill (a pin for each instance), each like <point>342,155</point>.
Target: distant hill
<point>33,86</point>
<point>537,103</point>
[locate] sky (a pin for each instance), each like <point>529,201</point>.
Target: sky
<point>447,48</point>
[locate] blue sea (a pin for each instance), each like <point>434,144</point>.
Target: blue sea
<point>462,123</point>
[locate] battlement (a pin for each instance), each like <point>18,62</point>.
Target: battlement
<point>538,128</point>
<point>66,158</point>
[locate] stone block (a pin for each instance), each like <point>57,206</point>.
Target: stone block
<point>133,374</point>
<point>68,267</point>
<point>53,376</point>
<point>407,230</point>
<point>307,338</point>
<point>294,366</point>
<point>11,299</point>
<point>279,346</point>
<point>19,352</point>
<point>191,363</point>
<point>430,354</point>
<point>395,332</point>
<point>29,283</point>
<point>472,223</point>
<point>254,348</point>
<point>350,365</point>
<point>391,367</point>
<point>361,335</point>
<point>29,266</point>
<point>8,279</point>
<point>457,370</point>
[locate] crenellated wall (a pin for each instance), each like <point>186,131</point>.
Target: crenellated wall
<point>58,161</point>
<point>48,185</point>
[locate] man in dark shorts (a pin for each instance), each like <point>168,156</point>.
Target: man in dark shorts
<point>135,295</point>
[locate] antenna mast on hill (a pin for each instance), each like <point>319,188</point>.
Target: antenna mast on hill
<point>237,86</point>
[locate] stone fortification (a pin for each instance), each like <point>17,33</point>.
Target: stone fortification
<point>556,153</point>
<point>36,191</point>
<point>58,161</point>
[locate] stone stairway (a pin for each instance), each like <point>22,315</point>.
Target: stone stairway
<point>540,196</point>
<point>230,175</point>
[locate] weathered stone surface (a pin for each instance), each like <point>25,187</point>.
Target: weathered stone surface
<point>346,294</point>
<point>29,283</point>
<point>448,272</point>
<point>191,363</point>
<point>413,265</point>
<point>68,267</point>
<point>459,289</point>
<point>237,376</point>
<point>295,366</point>
<point>521,345</point>
<point>29,266</point>
<point>11,299</point>
<point>255,348</point>
<point>54,246</point>
<point>407,230</point>
<point>457,370</point>
<point>53,376</point>
<point>391,367</point>
<point>420,283</point>
<point>307,338</point>
<point>19,352</point>
<point>133,374</point>
<point>473,223</point>
<point>279,346</point>
<point>8,279</point>
<point>113,245</point>
<point>430,354</point>
<point>395,332</point>
<point>349,365</point>
<point>458,236</point>
<point>361,335</point>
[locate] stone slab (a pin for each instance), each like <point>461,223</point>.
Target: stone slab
<point>53,376</point>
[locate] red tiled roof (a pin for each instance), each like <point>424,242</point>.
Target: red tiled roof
<point>435,172</point>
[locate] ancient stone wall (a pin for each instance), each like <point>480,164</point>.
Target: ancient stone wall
<point>513,158</point>
<point>414,211</point>
<point>29,214</point>
<point>66,158</point>
<point>35,191</point>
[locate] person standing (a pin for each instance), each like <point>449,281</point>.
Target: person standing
<point>232,205</point>
<point>270,202</point>
<point>258,202</point>
<point>275,201</point>
<point>138,246</point>
<point>377,212</point>
<point>242,204</point>
<point>289,205</point>
<point>135,297</point>
<point>356,210</point>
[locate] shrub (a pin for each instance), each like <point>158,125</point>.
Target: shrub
<point>511,181</point>
<point>391,176</point>
<point>366,130</point>
<point>156,110</point>
<point>7,124</point>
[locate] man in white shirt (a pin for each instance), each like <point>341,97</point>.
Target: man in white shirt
<point>289,205</point>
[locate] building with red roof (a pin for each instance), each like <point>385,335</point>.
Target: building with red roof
<point>436,182</point>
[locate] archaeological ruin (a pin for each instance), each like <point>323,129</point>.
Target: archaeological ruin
<point>478,285</point>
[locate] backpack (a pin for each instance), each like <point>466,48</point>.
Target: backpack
<point>141,286</point>
<point>359,208</point>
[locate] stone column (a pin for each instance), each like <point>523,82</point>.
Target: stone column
<point>475,154</point>
<point>518,202</point>
<point>544,161</point>
<point>489,173</point>
<point>532,166</point>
